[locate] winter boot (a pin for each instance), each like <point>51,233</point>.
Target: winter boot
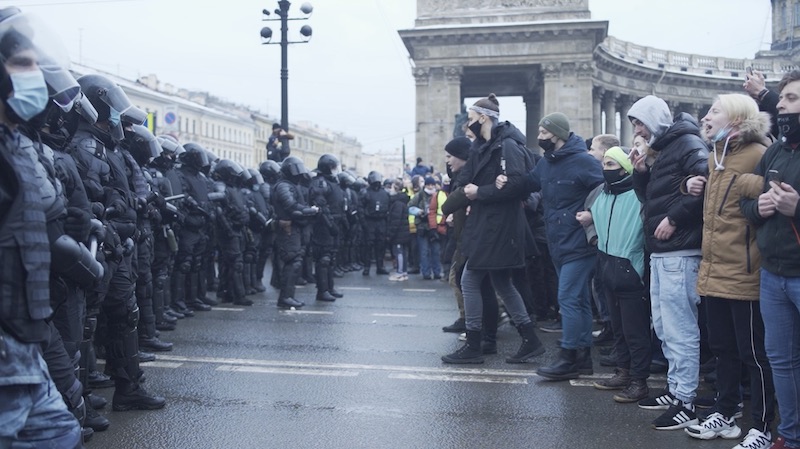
<point>584,361</point>
<point>469,353</point>
<point>564,368</point>
<point>531,345</point>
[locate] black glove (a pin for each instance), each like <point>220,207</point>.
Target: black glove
<point>433,236</point>
<point>77,224</point>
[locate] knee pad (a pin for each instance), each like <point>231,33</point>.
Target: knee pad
<point>325,260</point>
<point>238,266</point>
<point>185,266</point>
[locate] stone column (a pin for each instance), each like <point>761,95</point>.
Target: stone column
<point>610,108</point>
<point>567,88</point>
<point>626,128</point>
<point>438,103</point>
<point>597,111</point>
<point>533,113</point>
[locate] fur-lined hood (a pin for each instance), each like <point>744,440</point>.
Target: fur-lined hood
<point>753,130</point>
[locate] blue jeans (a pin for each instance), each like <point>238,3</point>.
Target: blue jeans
<point>575,302</point>
<point>429,251</point>
<point>33,415</point>
<point>780,309</point>
<point>674,300</point>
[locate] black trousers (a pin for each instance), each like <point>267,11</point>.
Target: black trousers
<point>736,337</point>
<point>629,310</point>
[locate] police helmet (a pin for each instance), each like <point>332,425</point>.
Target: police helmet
<point>228,171</point>
<point>270,170</point>
<point>327,164</point>
<point>346,179</point>
<point>374,177</point>
<point>293,166</point>
<point>142,144</point>
<point>256,178</point>
<point>194,156</point>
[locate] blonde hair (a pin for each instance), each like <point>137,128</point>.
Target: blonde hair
<point>738,107</point>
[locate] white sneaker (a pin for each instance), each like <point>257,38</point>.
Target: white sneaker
<point>755,439</point>
<point>462,336</point>
<point>396,277</point>
<point>715,426</point>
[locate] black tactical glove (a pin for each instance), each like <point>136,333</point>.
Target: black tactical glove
<point>77,224</point>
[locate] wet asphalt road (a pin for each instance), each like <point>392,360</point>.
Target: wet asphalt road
<point>364,372</point>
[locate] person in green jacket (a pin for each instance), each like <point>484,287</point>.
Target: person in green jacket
<point>617,217</point>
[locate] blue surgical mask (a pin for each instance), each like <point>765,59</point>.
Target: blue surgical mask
<point>113,117</point>
<point>721,134</point>
<point>30,94</point>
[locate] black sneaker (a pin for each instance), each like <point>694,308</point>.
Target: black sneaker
<point>663,401</point>
<point>553,326</point>
<point>676,417</point>
<point>457,327</point>
<point>605,337</point>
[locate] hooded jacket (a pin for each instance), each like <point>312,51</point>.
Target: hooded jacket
<point>566,177</point>
<point>731,261</point>
<point>496,235</point>
<point>778,236</point>
<point>682,153</point>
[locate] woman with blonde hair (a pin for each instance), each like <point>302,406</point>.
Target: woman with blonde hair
<point>728,279</point>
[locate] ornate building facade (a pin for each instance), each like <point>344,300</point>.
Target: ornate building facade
<point>553,55</point>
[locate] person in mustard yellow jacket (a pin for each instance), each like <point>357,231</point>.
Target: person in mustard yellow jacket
<point>729,274</point>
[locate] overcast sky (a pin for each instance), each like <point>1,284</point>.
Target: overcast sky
<point>354,75</point>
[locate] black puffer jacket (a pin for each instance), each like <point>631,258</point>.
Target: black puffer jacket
<point>682,153</point>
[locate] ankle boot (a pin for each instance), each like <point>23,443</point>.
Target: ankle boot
<point>469,353</point>
<point>584,361</point>
<point>531,345</point>
<point>564,368</point>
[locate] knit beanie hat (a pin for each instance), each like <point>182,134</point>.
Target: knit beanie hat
<point>459,147</point>
<point>489,106</point>
<point>557,123</point>
<point>618,154</point>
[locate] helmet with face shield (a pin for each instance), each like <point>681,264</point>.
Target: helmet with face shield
<point>194,156</point>
<point>228,172</point>
<point>142,144</point>
<point>112,104</point>
<point>32,60</point>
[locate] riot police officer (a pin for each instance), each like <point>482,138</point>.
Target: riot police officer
<point>271,171</point>
<point>375,204</point>
<point>292,213</point>
<point>256,194</point>
<point>326,194</point>
<point>191,240</point>
<point>231,218</point>
<point>94,148</point>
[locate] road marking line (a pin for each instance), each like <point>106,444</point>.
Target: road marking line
<point>350,366</point>
<point>305,312</point>
<point>228,309</point>
<point>460,378</point>
<point>354,288</point>
<point>423,290</point>
<point>395,315</point>
<point>160,364</point>
<point>588,381</point>
<point>268,370</point>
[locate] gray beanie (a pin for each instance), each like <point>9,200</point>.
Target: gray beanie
<point>557,123</point>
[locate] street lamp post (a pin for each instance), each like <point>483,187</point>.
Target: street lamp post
<point>266,34</point>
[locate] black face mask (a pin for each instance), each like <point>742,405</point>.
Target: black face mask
<point>475,128</point>
<point>789,126</point>
<point>614,176</point>
<point>547,145</point>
